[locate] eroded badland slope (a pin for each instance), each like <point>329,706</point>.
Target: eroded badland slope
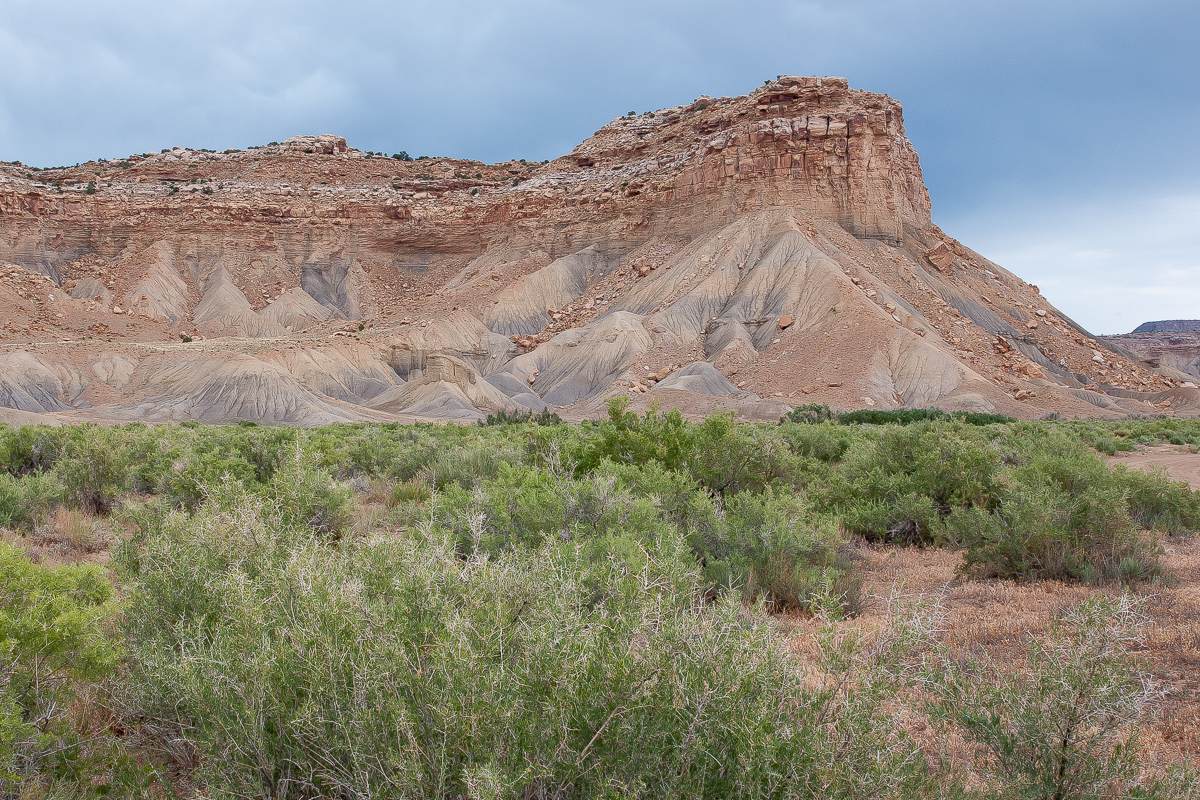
<point>747,253</point>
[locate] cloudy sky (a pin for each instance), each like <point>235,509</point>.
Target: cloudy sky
<point>1057,137</point>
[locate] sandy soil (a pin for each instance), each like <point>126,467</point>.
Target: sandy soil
<point>1177,461</point>
<point>996,619</point>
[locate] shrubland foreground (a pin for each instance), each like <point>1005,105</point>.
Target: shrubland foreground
<point>880,605</point>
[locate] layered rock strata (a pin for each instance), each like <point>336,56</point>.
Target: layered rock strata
<point>748,254</point>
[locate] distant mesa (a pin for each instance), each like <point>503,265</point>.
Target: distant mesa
<point>1169,326</point>
<point>1170,346</point>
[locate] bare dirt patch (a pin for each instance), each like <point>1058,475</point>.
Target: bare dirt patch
<point>1177,461</point>
<point>996,620</point>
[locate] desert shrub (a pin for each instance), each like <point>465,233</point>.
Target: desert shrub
<point>11,501</point>
<point>827,442</point>
<point>29,448</point>
<point>909,416</point>
<point>899,416</point>
<point>560,610</point>
<point>93,467</point>
<point>369,450</point>
<point>525,508</point>
<point>1065,726</point>
<point>726,457</point>
<point>900,518</point>
<point>980,418</point>
<point>1110,445</point>
<point>1022,442</point>
<point>900,484</point>
<point>1066,516</point>
<point>626,438</point>
<point>23,501</point>
<point>70,533</point>
<point>502,417</point>
<point>1111,437</point>
<point>768,546</point>
<point>472,461</point>
<point>396,667</point>
<point>950,463</point>
<point>184,484</point>
<point>669,488</point>
<point>52,648</point>
<point>1158,503</point>
<point>600,503</point>
<point>773,547</point>
<point>150,454</point>
<point>413,490</point>
<point>265,449</point>
<point>677,496</point>
<point>413,450</point>
<point>808,414</point>
<point>518,509</point>
<point>338,448</point>
<point>305,496</point>
<point>1041,535</point>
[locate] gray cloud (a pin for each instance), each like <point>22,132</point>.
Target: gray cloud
<point>1109,263</point>
<point>1029,105</point>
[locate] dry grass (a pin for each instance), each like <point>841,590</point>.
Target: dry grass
<point>65,536</point>
<point>414,490</point>
<point>379,492</point>
<point>996,619</point>
<point>387,493</point>
<point>366,518</point>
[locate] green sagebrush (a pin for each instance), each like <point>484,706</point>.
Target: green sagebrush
<point>397,667</point>
<point>562,610</point>
<point>93,467</point>
<point>53,644</point>
<point>1067,515</point>
<point>24,501</point>
<point>1026,500</point>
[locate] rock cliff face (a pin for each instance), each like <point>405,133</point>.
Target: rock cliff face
<point>747,254</point>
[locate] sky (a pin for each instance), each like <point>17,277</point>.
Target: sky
<point>1057,138</point>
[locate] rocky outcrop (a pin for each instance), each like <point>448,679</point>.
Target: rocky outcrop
<point>326,144</point>
<point>31,383</point>
<point>450,388</point>
<point>230,388</point>
<point>529,304</point>
<point>115,369</point>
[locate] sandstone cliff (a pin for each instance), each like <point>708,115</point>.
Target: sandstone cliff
<point>746,253</point>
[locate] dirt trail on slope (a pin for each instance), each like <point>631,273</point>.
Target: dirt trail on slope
<point>1179,464</point>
